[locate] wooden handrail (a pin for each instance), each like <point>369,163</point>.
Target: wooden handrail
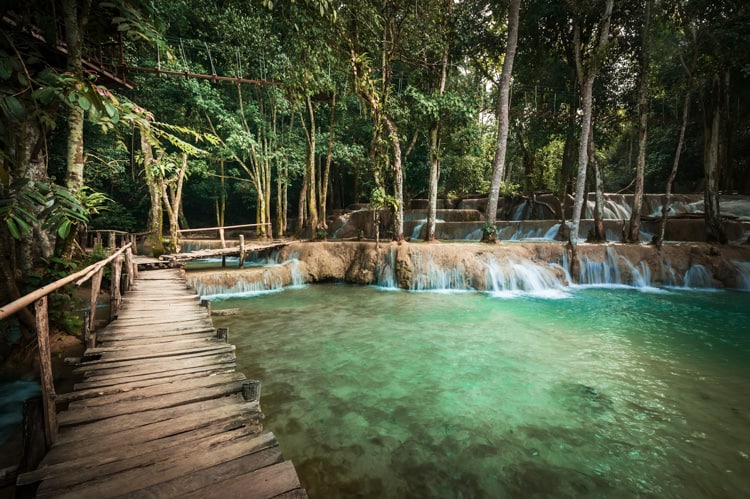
<point>39,299</point>
<point>26,300</point>
<point>225,227</point>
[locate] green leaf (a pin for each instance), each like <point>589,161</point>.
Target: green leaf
<point>13,228</point>
<point>13,108</point>
<point>84,102</point>
<point>5,70</point>
<point>64,229</point>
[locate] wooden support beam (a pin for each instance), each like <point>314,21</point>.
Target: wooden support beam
<point>45,368</point>
<point>242,251</point>
<point>96,285</point>
<point>115,297</point>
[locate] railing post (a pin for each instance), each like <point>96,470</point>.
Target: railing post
<point>96,286</point>
<point>242,251</point>
<point>129,269</point>
<point>112,244</point>
<point>45,367</point>
<point>115,297</point>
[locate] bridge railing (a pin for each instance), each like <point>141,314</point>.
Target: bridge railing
<point>220,230</point>
<point>38,298</point>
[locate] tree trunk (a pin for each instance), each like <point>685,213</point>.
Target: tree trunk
<point>503,105</point>
<point>712,209</point>
<point>172,198</point>
<point>327,170</point>
<point>312,200</point>
<point>155,214</point>
<point>675,165</point>
<point>398,178</point>
<point>587,88</point>
<point>599,235</point>
<point>634,231</point>
<point>75,17</point>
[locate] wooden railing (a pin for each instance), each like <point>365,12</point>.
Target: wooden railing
<point>38,298</point>
<point>221,230</point>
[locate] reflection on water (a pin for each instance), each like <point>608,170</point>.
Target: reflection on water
<point>606,393</point>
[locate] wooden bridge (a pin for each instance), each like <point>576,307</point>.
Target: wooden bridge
<point>239,251</point>
<point>160,410</point>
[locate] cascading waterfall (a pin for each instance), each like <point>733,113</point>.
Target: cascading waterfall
<point>669,274</point>
<point>385,271</point>
<point>606,272</point>
<point>698,276</point>
<point>262,276</point>
<point>640,276</point>
<point>743,276</point>
<point>512,277</point>
<point>417,232</point>
<point>428,275</point>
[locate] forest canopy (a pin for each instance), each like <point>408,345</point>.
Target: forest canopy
<point>159,115</point>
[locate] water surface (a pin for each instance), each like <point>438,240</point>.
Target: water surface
<point>603,393</point>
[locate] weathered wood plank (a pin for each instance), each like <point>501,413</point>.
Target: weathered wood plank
<point>170,387</point>
<point>166,384</point>
<point>237,414</point>
<point>163,466</point>
<point>180,344</point>
<point>85,414</point>
<point>131,422</point>
<point>73,458</point>
<point>261,484</point>
<point>158,366</point>
<point>157,377</point>
<point>212,476</point>
<point>110,363</point>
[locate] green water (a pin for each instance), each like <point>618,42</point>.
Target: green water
<point>605,393</point>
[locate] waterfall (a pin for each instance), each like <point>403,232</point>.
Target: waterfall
<point>262,276</point>
<point>698,276</point>
<point>606,272</point>
<point>743,274</point>
<point>417,232</point>
<point>514,277</point>
<point>669,274</point>
<point>385,271</point>
<point>428,275</point>
<point>640,276</point>
<point>298,279</point>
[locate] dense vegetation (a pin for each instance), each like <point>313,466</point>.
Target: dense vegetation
<point>330,103</point>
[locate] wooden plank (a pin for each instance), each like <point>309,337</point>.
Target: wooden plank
<point>261,484</point>
<point>156,377</point>
<point>86,414</point>
<point>162,466</point>
<point>136,347</point>
<point>130,422</point>
<point>73,458</point>
<point>165,383</point>
<point>212,476</point>
<point>112,371</point>
<point>246,413</point>
<point>107,363</point>
<point>169,387</point>
<point>134,334</point>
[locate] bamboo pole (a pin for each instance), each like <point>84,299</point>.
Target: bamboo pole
<point>45,368</point>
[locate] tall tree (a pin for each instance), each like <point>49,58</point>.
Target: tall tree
<point>498,164</point>
<point>634,229</point>
<point>588,61</point>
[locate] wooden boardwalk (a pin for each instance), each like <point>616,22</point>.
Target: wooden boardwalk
<point>161,411</point>
<point>240,251</point>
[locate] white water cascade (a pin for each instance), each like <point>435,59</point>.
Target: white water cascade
<point>523,276</point>
<point>743,274</point>
<point>428,275</point>
<point>385,271</point>
<point>698,276</point>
